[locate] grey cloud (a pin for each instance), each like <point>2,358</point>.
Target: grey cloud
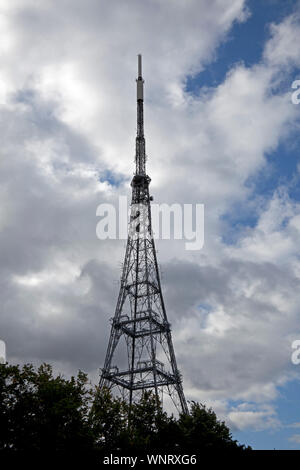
<point>68,117</point>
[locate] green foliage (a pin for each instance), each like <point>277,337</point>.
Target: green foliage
<point>201,430</point>
<point>108,420</point>
<point>145,423</point>
<point>41,412</point>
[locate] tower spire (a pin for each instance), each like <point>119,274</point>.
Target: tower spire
<point>140,153</point>
<point>140,339</point>
<point>139,65</point>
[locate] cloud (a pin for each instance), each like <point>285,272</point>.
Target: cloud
<point>56,121</point>
<point>294,425</point>
<point>68,121</point>
<point>295,438</point>
<point>281,49</point>
<point>242,418</point>
<point>251,315</point>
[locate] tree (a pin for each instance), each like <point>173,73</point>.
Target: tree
<point>108,421</point>
<point>202,431</point>
<point>43,413</point>
<point>146,421</point>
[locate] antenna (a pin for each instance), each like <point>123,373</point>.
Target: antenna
<point>140,81</point>
<point>140,331</point>
<point>139,65</point>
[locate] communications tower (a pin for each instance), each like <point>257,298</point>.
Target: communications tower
<point>140,353</point>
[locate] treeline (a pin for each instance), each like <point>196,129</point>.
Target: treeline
<point>45,413</point>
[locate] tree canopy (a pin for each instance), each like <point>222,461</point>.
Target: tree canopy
<point>43,412</point>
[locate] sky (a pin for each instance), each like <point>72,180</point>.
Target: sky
<point>221,130</point>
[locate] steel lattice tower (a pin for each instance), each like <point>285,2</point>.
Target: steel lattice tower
<point>140,327</point>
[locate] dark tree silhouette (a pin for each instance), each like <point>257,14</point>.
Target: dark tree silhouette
<point>43,413</point>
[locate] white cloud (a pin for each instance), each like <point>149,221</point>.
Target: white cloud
<point>282,49</point>
<point>294,425</point>
<point>242,418</point>
<point>67,81</point>
<point>295,438</point>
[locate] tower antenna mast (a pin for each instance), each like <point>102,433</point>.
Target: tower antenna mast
<point>140,353</point>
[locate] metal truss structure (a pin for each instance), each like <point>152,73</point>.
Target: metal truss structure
<point>140,353</point>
